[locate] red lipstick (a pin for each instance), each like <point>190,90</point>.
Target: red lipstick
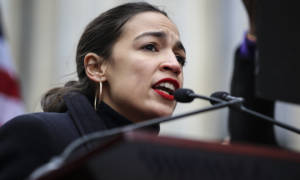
<point>166,87</point>
<point>164,95</point>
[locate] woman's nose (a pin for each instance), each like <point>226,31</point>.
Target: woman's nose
<point>172,65</point>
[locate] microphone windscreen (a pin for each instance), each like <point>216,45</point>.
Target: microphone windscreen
<point>219,95</point>
<point>184,95</point>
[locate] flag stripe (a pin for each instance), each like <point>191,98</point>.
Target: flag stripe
<point>8,85</point>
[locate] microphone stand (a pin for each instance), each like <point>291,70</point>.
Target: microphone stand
<point>239,106</point>
<point>266,118</point>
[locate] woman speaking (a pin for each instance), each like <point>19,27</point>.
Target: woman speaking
<point>129,62</point>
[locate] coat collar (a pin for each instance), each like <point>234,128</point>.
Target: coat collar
<point>83,114</point>
<point>87,120</point>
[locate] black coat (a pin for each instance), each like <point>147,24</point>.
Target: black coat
<point>28,141</point>
<point>243,127</point>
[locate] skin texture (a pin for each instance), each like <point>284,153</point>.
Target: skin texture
<point>148,51</point>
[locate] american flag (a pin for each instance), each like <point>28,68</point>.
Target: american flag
<point>11,104</point>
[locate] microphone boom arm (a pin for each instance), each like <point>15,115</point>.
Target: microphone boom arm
<point>269,119</point>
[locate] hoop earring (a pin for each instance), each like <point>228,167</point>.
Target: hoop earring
<point>98,95</point>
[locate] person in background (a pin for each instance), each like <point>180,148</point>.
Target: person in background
<point>129,62</point>
<point>244,128</point>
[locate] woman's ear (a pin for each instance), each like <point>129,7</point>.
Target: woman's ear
<point>95,67</point>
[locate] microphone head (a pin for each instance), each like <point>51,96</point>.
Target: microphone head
<point>221,95</point>
<point>184,95</point>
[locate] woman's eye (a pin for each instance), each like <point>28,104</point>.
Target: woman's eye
<point>150,47</point>
<point>181,60</point>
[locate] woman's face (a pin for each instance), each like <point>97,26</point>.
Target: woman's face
<point>145,68</point>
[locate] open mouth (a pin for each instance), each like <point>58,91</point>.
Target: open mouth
<point>166,88</point>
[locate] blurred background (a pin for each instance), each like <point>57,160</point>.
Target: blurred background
<point>42,36</point>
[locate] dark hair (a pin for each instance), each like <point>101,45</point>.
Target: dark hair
<point>99,37</point>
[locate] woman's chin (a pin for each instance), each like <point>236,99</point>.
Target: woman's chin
<point>151,110</point>
<point>162,112</point>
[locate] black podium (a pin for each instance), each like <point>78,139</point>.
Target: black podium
<point>147,157</point>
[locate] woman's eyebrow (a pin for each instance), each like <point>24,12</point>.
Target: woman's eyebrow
<point>157,34</point>
<point>162,35</point>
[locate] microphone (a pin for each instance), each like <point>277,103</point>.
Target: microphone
<point>239,106</point>
<point>184,95</point>
<point>224,96</point>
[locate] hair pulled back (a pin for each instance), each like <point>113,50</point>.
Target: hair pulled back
<point>98,37</point>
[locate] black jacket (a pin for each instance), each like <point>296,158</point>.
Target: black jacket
<point>243,127</point>
<point>28,141</point>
